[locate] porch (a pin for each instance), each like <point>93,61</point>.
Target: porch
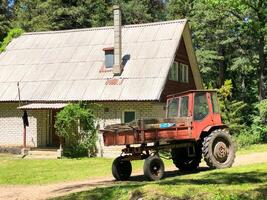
<point>47,139</point>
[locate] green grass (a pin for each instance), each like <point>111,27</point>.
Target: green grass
<point>246,182</point>
<point>14,170</point>
<point>253,149</point>
<point>19,171</point>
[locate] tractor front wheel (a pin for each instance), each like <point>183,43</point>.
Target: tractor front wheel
<point>153,168</point>
<point>219,149</point>
<point>121,169</point>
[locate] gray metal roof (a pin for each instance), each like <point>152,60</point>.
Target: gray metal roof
<point>66,65</point>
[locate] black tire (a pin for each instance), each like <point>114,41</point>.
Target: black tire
<point>154,168</point>
<point>219,149</point>
<point>121,169</point>
<point>183,162</point>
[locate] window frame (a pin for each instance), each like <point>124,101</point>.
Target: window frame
<point>123,115</point>
<point>107,53</point>
<point>208,107</point>
<point>179,72</point>
<point>178,106</point>
<point>183,73</point>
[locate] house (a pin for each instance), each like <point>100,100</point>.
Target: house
<point>129,70</point>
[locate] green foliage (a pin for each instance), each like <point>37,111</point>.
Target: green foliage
<point>13,33</point>
<point>136,11</point>
<point>247,138</point>
<point>232,110</point>
<point>5,17</point>
<point>76,123</point>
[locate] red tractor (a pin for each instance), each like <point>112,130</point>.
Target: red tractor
<point>192,129</point>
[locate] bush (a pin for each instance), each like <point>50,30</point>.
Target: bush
<point>232,111</point>
<point>75,151</point>
<point>76,123</point>
<point>13,33</point>
<point>247,138</point>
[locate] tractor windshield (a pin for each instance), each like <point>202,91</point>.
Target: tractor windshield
<point>173,108</point>
<point>201,108</point>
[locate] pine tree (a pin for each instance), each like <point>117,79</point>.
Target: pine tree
<point>5,17</point>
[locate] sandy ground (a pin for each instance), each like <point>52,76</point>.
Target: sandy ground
<point>34,192</point>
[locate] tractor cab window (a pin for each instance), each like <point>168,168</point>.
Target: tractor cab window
<point>214,101</point>
<point>184,107</point>
<point>201,108</point>
<point>173,108</point>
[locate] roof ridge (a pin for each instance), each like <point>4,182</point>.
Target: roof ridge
<point>107,27</point>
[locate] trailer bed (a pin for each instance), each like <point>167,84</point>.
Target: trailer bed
<point>147,131</point>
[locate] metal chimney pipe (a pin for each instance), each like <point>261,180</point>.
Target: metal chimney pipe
<point>117,68</point>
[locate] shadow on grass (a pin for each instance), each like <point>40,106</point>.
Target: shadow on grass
<point>170,174</point>
<point>133,189</point>
<point>222,178</point>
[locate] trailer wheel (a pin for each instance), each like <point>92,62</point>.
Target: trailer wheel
<point>153,168</point>
<point>183,162</point>
<point>219,149</point>
<point>121,169</point>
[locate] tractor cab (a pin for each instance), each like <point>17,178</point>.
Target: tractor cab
<point>201,107</point>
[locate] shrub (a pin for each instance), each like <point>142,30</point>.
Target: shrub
<point>76,123</point>
<point>247,138</point>
<point>232,112</point>
<point>13,33</point>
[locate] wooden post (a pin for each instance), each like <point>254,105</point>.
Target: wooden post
<point>24,137</point>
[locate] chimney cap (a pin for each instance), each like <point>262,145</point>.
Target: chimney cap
<point>116,7</point>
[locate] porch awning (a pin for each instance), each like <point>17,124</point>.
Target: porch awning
<point>43,106</point>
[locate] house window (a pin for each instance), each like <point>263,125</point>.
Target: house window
<point>183,73</point>
<point>173,73</point>
<point>109,58</point>
<point>179,72</point>
<point>128,116</point>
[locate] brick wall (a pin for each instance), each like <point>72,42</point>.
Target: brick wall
<point>11,126</point>
<point>114,115</point>
<point>116,109</point>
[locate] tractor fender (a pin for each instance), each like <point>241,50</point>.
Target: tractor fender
<point>213,127</point>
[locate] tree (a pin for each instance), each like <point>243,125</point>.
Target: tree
<point>76,123</point>
<point>142,11</point>
<point>79,13</point>
<point>252,16</point>
<point>178,9</point>
<point>32,15</point>
<point>5,17</point>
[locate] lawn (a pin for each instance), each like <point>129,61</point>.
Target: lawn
<point>21,171</point>
<point>253,149</point>
<point>246,182</point>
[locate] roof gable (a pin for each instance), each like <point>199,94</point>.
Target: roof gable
<point>66,65</point>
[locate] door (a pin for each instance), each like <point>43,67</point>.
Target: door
<point>202,112</point>
<point>54,137</point>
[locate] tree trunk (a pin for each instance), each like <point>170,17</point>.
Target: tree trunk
<point>222,68</point>
<point>262,65</point>
<point>262,57</point>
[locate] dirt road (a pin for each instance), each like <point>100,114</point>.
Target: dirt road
<point>34,192</point>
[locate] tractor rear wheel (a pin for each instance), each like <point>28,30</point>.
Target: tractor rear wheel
<point>153,168</point>
<point>184,162</point>
<point>219,149</point>
<point>121,169</point>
